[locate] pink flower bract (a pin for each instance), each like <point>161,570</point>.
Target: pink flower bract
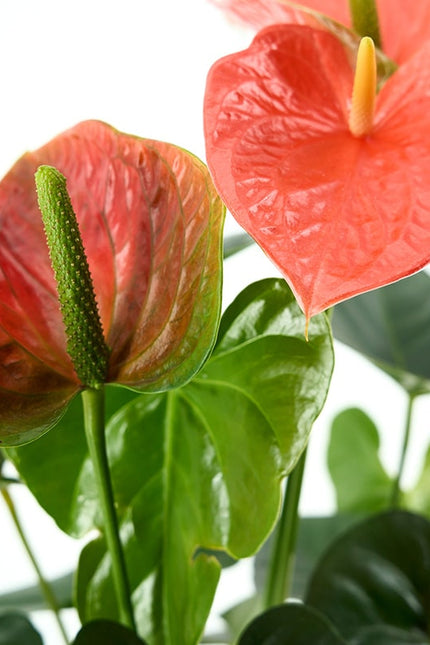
<point>404,25</point>
<point>338,215</point>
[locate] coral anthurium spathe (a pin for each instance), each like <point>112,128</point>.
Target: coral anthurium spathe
<point>151,225</point>
<point>339,214</point>
<point>404,25</point>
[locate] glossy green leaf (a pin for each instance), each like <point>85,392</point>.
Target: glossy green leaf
<point>290,624</point>
<point>359,478</point>
<point>377,577</point>
<point>16,629</point>
<point>391,326</point>
<point>202,466</point>
<point>106,632</point>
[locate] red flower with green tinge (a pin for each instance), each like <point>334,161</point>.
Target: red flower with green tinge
<point>151,225</point>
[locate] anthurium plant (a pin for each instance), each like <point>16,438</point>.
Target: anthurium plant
<point>171,431</point>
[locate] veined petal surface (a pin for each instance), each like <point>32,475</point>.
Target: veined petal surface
<point>338,215</point>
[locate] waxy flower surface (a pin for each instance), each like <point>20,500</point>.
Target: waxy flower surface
<point>337,213</point>
<point>404,25</point>
<point>151,224</point>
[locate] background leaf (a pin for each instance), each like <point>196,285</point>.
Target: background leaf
<point>360,481</point>
<point>106,632</point>
<point>31,598</point>
<point>290,624</point>
<point>391,326</point>
<point>377,577</point>
<point>16,629</point>
<point>235,243</point>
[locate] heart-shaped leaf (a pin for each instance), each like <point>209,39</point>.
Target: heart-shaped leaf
<point>16,629</point>
<point>291,624</point>
<point>207,469</point>
<point>360,480</point>
<point>375,579</point>
<point>151,225</point>
<point>337,214</point>
<point>106,632</point>
<point>391,326</point>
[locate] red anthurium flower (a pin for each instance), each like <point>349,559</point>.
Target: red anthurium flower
<point>151,225</point>
<point>338,213</point>
<point>404,25</point>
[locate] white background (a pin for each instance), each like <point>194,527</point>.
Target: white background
<point>141,65</point>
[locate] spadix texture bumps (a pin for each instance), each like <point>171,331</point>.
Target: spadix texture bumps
<point>338,214</point>
<point>151,225</point>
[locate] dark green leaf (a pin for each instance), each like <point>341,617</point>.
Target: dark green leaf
<point>290,624</point>
<point>391,326</point>
<point>389,636</point>
<point>106,632</point>
<point>16,629</point>
<point>377,577</point>
<point>315,534</point>
<point>361,483</point>
<point>239,616</point>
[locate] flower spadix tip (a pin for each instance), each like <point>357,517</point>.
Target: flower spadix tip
<point>85,341</point>
<point>364,89</point>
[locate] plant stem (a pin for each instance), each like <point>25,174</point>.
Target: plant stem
<point>45,588</point>
<point>281,566</point>
<point>93,401</point>
<point>365,21</point>
<point>395,493</point>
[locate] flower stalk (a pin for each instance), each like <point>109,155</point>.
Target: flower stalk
<point>281,565</point>
<point>93,402</point>
<point>365,20</point>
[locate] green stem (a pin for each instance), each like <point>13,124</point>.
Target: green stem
<point>45,588</point>
<point>281,566</point>
<point>395,493</point>
<point>93,401</point>
<point>365,21</point>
